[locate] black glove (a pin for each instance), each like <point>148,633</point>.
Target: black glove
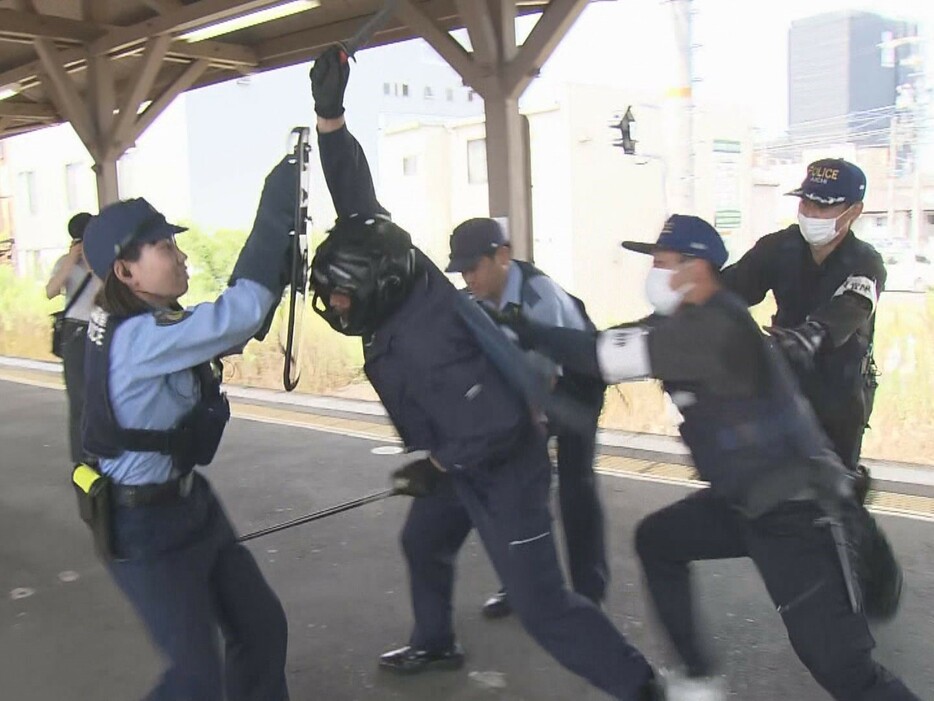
<point>800,344</point>
<point>328,81</point>
<point>417,478</point>
<point>265,255</point>
<point>511,317</point>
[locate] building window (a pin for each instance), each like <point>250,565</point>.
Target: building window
<point>405,90</point>
<point>386,89</point>
<point>476,161</point>
<point>450,94</point>
<point>410,165</point>
<point>27,183</point>
<point>429,93</point>
<point>73,172</point>
<point>470,95</point>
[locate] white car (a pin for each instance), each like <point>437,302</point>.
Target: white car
<point>907,271</point>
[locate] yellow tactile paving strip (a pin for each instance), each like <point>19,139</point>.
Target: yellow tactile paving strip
<point>885,502</point>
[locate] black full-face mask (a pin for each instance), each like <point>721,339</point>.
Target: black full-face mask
<point>372,261</point>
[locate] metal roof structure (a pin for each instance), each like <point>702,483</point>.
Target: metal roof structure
<point>41,41</point>
<point>111,67</point>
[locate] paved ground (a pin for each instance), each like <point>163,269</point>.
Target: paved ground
<point>66,635</point>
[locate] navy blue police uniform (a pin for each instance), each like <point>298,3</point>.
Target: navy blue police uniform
<point>154,411</point>
<point>775,484</point>
<point>833,303</point>
<point>544,301</point>
<point>446,397</point>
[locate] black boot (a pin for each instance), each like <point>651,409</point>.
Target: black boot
<point>412,660</point>
<point>497,606</point>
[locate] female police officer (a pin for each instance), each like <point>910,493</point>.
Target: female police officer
<point>153,411</point>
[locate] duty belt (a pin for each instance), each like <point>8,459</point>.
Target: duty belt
<point>130,495</point>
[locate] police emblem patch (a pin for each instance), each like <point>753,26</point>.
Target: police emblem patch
<point>170,317</point>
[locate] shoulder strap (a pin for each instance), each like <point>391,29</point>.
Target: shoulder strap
<point>81,288</point>
<point>528,271</point>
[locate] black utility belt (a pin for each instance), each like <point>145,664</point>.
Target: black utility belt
<point>133,495</point>
<point>98,495</point>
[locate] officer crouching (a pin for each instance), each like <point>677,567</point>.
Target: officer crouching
<point>778,493</point>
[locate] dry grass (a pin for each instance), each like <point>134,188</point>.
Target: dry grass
<point>902,423</point>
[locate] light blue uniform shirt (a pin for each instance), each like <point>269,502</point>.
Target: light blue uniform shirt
<point>544,302</point>
<point>152,384</point>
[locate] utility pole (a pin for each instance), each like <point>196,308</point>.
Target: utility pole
<point>682,100</point>
<point>893,175</point>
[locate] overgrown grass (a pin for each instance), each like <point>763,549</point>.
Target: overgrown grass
<point>902,422</point>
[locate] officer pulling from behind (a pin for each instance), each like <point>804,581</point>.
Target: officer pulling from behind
<point>482,253</point>
<point>153,412</point>
<point>826,284</point>
<point>778,493</point>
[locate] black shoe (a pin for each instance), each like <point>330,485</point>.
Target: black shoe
<point>497,606</point>
<point>411,660</point>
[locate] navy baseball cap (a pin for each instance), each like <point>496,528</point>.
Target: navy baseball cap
<point>118,225</point>
<point>472,239</point>
<point>831,181</point>
<point>689,236</point>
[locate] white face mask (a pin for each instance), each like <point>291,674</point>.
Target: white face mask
<point>819,232</point>
<point>658,290</point>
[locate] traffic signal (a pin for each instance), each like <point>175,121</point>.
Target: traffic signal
<point>626,142</point>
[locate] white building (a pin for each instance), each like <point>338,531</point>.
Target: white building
<point>587,196</point>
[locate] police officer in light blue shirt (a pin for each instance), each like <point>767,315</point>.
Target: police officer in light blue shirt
<point>153,411</point>
<point>481,252</point>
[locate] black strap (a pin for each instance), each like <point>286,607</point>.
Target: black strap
<point>81,288</point>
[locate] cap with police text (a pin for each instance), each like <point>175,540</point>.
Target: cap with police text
<point>831,181</point>
<point>689,236</point>
<point>472,239</point>
<point>120,224</point>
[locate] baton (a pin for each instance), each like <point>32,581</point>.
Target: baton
<point>369,28</point>
<point>317,515</point>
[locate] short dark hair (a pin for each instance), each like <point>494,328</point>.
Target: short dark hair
<point>77,224</point>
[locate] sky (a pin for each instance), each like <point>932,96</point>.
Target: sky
<point>741,56</point>
<point>741,59</point>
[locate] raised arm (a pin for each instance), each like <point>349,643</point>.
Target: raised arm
<point>345,167</point>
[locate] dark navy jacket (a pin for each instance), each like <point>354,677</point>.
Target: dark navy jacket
<point>441,391</point>
<point>841,293</point>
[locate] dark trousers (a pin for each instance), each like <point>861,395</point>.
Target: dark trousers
<point>846,435</point>
<point>188,579</point>
<point>582,514</point>
<point>508,505</point>
<point>74,335</point>
<point>799,565</point>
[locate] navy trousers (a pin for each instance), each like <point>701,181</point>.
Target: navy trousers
<point>507,502</point>
<point>801,570</point>
<point>582,514</point>
<point>192,583</point>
